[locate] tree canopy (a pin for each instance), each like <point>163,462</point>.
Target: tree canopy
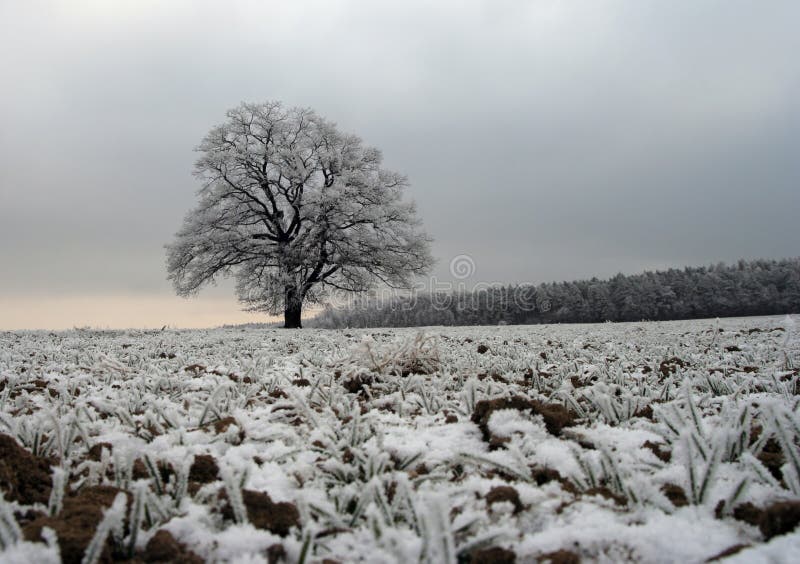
<point>291,207</point>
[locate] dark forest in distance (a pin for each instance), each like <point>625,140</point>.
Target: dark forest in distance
<point>757,287</point>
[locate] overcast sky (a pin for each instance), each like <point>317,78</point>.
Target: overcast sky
<point>547,139</point>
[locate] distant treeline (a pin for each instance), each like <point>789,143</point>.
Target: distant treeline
<point>759,287</point>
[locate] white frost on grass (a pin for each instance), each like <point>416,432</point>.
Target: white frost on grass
<point>685,536</point>
<point>363,460</point>
<point>437,444</point>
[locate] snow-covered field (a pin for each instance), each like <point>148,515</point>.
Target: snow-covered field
<point>651,442</point>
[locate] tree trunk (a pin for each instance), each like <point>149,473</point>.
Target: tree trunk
<point>293,309</point>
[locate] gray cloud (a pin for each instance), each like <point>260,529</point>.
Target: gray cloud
<point>548,139</point>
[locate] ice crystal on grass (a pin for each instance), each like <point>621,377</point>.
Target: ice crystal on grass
<point>641,442</point>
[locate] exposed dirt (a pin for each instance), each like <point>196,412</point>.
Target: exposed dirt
<point>494,376</point>
<point>556,416</point>
<point>577,382</point>
<point>482,349</point>
<point>546,475</point>
<point>195,369</point>
<point>499,494</point>
<point>670,366</point>
<point>780,518</point>
<point>560,557</point>
<point>675,494</point>
<point>356,384</point>
<point>771,456</point>
<point>95,453</point>
<point>240,379</point>
<point>663,455</point>
<point>645,412</point>
<point>77,522</point>
<point>23,477</point>
<point>25,517</point>
<point>222,425</point>
<point>748,513</point>
<point>776,519</point>
<point>492,555</point>
<point>139,470</point>
<point>204,469</point>
<point>265,514</point>
<point>276,553</point>
<point>606,493</point>
<point>164,548</point>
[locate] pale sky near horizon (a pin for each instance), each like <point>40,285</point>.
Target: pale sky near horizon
<point>546,139</point>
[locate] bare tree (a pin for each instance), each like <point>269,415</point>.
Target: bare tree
<point>291,208</point>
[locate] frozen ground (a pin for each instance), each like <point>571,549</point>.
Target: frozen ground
<point>651,442</point>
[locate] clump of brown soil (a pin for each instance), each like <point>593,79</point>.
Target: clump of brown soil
<point>577,382</point>
<point>277,393</point>
<point>222,425</point>
<point>771,456</point>
<point>276,553</point>
<point>204,469</point>
<point>493,376</point>
<point>77,522</point>
<point>96,452</point>
<point>670,366</point>
<point>356,384</point>
<point>164,548</point>
<point>492,555</point>
<point>139,470</point>
<point>240,379</point>
<point>663,455</point>
<point>675,494</point>
<point>780,518</point>
<point>265,514</point>
<point>23,477</point>
<point>560,557</point>
<point>420,470</point>
<point>25,517</point>
<point>606,493</point>
<point>195,369</point>
<point>499,494</point>
<point>482,349</point>
<point>544,476</point>
<point>301,382</point>
<point>776,519</point>
<point>748,513</point>
<point>556,416</point>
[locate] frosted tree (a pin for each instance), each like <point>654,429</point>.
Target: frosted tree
<point>292,208</point>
